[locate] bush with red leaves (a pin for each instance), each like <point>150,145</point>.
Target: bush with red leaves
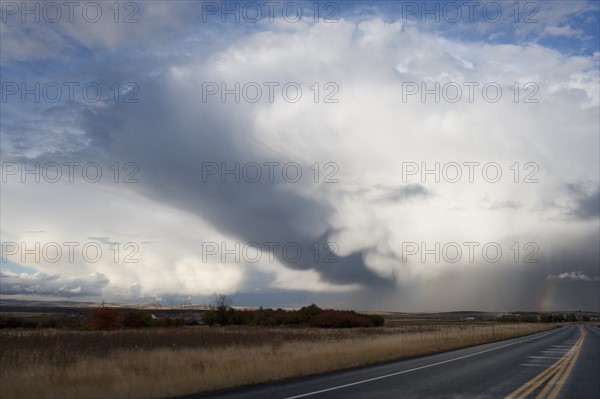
<point>104,318</point>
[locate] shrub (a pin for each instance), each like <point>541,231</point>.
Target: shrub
<point>50,324</point>
<point>307,312</point>
<point>10,322</point>
<point>172,322</point>
<point>210,317</point>
<point>309,315</point>
<point>104,318</point>
<point>339,319</point>
<point>240,317</point>
<point>137,319</point>
<point>377,320</point>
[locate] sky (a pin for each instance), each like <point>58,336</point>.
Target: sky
<point>403,156</point>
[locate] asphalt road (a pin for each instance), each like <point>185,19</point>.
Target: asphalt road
<point>561,363</point>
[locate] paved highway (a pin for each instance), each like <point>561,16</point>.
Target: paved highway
<point>561,363</point>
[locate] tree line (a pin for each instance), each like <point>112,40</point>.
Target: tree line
<point>312,316</point>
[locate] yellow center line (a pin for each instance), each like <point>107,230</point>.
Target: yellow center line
<point>551,374</point>
<point>538,380</point>
<point>563,379</point>
<point>563,370</point>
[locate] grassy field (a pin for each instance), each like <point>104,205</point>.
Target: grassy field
<point>165,362</point>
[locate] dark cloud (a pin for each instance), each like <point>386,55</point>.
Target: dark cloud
<point>505,205</point>
<point>410,191</point>
<point>386,193</point>
<point>172,148</point>
<point>585,200</point>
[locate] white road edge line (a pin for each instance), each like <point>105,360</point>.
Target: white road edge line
<point>418,368</point>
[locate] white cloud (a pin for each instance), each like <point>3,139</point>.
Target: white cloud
<point>566,30</point>
<point>52,284</point>
<point>576,276</point>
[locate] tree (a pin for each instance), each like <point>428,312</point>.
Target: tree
<point>220,309</point>
<point>307,312</point>
<point>220,301</point>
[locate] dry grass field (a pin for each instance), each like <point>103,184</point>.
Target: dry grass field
<point>164,362</point>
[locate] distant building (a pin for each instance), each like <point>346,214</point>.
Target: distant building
<point>470,318</point>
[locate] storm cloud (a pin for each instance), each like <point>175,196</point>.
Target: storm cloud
<point>220,172</point>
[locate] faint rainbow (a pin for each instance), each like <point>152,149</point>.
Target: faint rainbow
<point>547,300</point>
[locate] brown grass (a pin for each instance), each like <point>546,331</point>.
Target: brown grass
<point>170,362</point>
